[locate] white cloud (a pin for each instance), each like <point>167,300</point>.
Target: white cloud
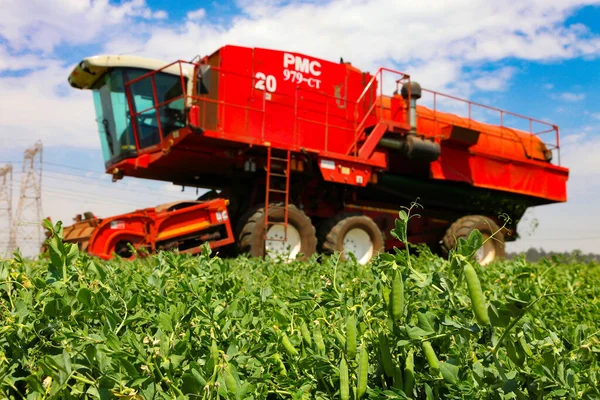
<point>580,153</point>
<point>576,223</point>
<point>161,14</point>
<point>42,25</point>
<point>495,80</point>
<point>595,115</point>
<point>42,106</point>
<point>196,14</point>
<point>9,62</point>
<point>360,31</point>
<point>572,97</point>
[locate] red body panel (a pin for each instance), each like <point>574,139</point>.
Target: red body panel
<point>287,99</point>
<point>149,228</point>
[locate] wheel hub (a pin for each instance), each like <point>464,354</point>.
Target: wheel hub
<point>278,244</point>
<point>358,242</point>
<point>487,252</point>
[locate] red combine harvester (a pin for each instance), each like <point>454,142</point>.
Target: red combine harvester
<point>309,154</point>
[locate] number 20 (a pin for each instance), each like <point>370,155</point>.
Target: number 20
<point>270,81</point>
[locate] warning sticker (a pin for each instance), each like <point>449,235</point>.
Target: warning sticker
<point>327,164</point>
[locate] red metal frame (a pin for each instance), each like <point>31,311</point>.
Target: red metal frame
<point>149,227</point>
<point>310,120</point>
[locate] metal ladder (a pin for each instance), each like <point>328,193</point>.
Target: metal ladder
<point>271,188</point>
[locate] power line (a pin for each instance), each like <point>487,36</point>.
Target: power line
<point>71,193</point>
<point>107,184</point>
<point>81,179</point>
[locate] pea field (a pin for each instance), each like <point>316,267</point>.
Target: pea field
<point>408,325</point>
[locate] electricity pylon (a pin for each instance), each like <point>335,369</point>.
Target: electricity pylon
<point>28,219</point>
<point>6,206</point>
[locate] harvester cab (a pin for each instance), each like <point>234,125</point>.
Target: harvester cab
<point>138,101</point>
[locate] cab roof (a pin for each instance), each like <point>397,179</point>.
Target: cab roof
<point>90,69</point>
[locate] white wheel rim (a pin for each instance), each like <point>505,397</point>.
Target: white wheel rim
<point>358,242</point>
<point>486,253</point>
<point>278,245</point>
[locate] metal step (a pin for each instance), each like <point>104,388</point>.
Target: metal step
<point>278,175</point>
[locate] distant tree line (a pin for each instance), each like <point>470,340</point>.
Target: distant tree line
<point>575,256</point>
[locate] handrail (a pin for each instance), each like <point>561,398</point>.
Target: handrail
<point>359,126</point>
<point>488,107</point>
<point>364,92</point>
<point>502,125</point>
<point>366,112</point>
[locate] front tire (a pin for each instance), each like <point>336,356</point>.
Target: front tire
<point>493,247</point>
<point>301,241</point>
<point>354,234</point>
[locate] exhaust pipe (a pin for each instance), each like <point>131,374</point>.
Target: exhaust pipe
<point>412,89</point>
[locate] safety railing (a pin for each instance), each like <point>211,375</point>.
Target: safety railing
<point>363,112</point>
<point>378,78</point>
<point>353,122</point>
<point>478,114</point>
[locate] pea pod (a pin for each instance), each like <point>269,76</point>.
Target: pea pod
<point>340,339</point>
<point>214,352</point>
<point>282,369</point>
<point>230,381</point>
<point>432,359</point>
<point>397,296</point>
<point>319,343</point>
<point>289,347</point>
<point>305,334</point>
<point>386,292</point>
<point>398,381</point>
<point>409,373</point>
<point>525,346</point>
<point>362,372</point>
<point>386,356</point>
<point>476,294</point>
<point>344,381</point>
<point>351,337</point>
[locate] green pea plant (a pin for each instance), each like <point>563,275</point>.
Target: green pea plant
<point>407,325</point>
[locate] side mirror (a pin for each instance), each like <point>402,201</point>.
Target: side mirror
<point>203,79</point>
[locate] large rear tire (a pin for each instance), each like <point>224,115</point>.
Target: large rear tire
<point>352,233</point>
<point>301,241</point>
<point>493,249</point>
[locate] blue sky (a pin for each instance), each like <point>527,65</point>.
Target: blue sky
<point>530,57</point>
